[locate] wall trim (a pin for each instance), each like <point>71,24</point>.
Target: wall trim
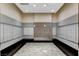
<point>10,40</point>
<point>68,25</point>
<point>67,39</point>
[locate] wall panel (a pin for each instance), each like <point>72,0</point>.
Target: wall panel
<point>1,33</point>
<point>68,31</point>
<point>10,30</point>
<point>28,31</point>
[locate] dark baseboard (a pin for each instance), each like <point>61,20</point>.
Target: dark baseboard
<point>28,40</point>
<point>11,50</point>
<point>69,51</point>
<point>39,41</point>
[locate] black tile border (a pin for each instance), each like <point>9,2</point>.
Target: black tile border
<point>11,50</point>
<point>69,51</point>
<point>34,41</point>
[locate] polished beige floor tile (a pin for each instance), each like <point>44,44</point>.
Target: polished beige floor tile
<point>39,49</point>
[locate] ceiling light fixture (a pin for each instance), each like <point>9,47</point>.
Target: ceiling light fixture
<point>34,5</point>
<point>44,5</point>
<point>52,10</point>
<point>27,10</point>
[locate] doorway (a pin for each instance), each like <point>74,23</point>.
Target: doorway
<point>42,31</point>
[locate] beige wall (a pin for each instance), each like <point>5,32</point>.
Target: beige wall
<point>67,10</point>
<point>39,17</point>
<point>10,10</point>
<point>43,17</point>
<point>28,18</point>
<point>54,18</point>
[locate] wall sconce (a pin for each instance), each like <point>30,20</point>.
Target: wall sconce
<point>44,25</point>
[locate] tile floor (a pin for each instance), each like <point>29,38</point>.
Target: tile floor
<point>39,49</point>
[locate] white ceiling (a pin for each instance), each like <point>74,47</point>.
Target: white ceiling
<point>39,7</point>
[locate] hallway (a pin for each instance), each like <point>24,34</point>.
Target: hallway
<point>39,29</point>
<point>39,49</point>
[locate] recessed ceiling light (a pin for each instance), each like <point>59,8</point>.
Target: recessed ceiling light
<point>27,10</point>
<point>34,5</point>
<point>44,5</point>
<point>52,10</point>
